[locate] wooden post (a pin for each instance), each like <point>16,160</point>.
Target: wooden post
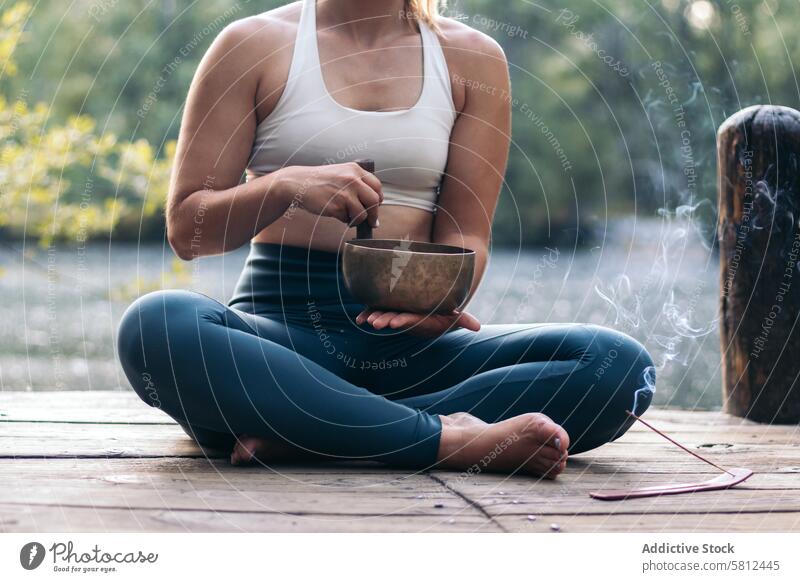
<point>758,154</point>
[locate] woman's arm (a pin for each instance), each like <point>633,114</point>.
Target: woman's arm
<point>209,211</point>
<point>475,168</point>
<point>478,151</point>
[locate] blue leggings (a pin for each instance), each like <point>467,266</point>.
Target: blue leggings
<point>286,361</point>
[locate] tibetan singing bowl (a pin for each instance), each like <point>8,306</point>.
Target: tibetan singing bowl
<point>402,275</point>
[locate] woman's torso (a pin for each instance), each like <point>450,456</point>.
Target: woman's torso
<point>392,101</point>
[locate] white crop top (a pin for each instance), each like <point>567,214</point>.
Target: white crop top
<point>308,127</point>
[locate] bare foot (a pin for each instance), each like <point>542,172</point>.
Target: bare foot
<point>249,449</point>
<point>529,443</point>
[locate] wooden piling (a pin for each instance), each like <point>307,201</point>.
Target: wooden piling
<point>758,154</point>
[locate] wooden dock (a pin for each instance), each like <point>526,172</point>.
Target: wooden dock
<point>103,461</point>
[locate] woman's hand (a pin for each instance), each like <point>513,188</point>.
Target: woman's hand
<point>346,192</point>
<point>424,325</point>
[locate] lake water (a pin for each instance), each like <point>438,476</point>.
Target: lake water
<point>654,279</point>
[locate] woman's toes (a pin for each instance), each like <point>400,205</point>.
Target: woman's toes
<point>557,467</point>
<point>550,440</point>
<point>550,460</point>
<point>554,436</point>
<point>563,439</point>
<point>243,451</point>
<point>237,456</point>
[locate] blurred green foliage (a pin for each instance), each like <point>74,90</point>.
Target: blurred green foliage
<point>60,177</point>
<point>615,103</point>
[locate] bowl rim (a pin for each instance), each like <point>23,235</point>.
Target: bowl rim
<point>458,251</point>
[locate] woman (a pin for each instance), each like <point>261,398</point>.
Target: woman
<point>293,366</point>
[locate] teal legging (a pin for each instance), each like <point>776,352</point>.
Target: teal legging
<point>285,360</point>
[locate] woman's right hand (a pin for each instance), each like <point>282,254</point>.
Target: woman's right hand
<point>346,191</point>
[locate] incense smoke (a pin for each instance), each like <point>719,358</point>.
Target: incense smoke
<point>663,310</point>
<point>647,390</point>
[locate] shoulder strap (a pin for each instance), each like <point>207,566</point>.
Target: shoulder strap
<point>436,72</point>
<point>305,45</point>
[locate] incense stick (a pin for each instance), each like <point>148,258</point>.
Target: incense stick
<point>676,443</point>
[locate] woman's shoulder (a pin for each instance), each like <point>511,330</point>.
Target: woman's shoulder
<point>456,34</point>
<point>273,28</point>
<point>474,59</point>
<point>255,51</point>
<point>470,53</point>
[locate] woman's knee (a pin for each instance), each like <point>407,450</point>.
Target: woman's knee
<point>622,379</point>
<point>149,329</point>
<point>147,320</point>
<point>621,362</point>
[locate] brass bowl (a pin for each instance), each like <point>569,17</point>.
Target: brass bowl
<point>402,275</point>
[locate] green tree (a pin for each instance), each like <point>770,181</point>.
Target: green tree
<point>65,180</point>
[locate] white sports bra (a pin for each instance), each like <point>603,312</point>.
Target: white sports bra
<point>308,127</point>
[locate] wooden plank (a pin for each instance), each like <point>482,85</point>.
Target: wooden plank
<point>126,407</point>
<point>18,518</point>
<point>56,439</point>
<point>714,440</point>
<point>572,479</point>
<point>656,458</point>
<point>342,474</point>
<point>697,418</point>
<point>688,434</point>
<point>678,421</point>
<point>661,523</point>
<point>79,406</point>
<point>31,439</point>
<point>641,464</point>
<point>651,453</point>
<point>56,494</point>
<point>556,497</point>
<point>579,502</point>
<point>198,484</point>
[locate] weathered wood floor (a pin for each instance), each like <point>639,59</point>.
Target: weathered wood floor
<point>103,461</point>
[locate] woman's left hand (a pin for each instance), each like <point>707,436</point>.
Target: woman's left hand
<point>432,325</point>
